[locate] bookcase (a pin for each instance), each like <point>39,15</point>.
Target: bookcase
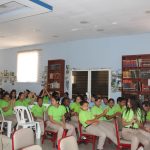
<point>55,78</point>
<point>136,76</point>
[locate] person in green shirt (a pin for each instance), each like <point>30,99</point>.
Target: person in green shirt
<point>133,129</point>
<point>31,98</point>
<point>7,106</point>
<point>21,100</point>
<point>38,111</point>
<point>57,121</point>
<point>111,113</point>
<point>97,109</point>
<point>120,106</point>
<point>93,126</point>
<point>146,113</point>
<point>75,108</point>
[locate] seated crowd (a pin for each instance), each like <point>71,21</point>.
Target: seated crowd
<point>96,115</point>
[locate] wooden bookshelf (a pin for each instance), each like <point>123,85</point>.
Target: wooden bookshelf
<point>55,80</point>
<point>136,75</point>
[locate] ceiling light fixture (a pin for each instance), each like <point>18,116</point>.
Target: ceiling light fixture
<point>55,36</point>
<point>75,29</point>
<point>84,22</point>
<point>147,11</point>
<point>100,30</point>
<point>114,23</point>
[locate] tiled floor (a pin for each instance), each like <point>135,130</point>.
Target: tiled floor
<point>48,146</point>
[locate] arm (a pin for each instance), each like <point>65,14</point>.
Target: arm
<point>54,122</point>
<point>93,121</point>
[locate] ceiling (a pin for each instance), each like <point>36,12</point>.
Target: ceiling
<point>72,20</point>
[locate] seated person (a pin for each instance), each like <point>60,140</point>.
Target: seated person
<point>97,110</point>
<point>93,126</point>
<point>31,98</point>
<point>21,100</point>
<point>120,106</point>
<point>111,113</point>
<point>146,113</point>
<point>57,121</point>
<point>104,102</point>
<point>92,101</point>
<point>7,106</point>
<point>38,113</point>
<point>66,102</point>
<point>133,129</point>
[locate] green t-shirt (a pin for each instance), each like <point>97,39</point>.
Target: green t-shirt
<point>85,116</point>
<point>46,100</point>
<point>75,107</point>
<point>130,115</point>
<point>27,101</point>
<point>111,111</point>
<point>38,111</point>
<point>21,103</point>
<point>148,116</point>
<point>119,109</point>
<point>97,111</point>
<point>3,104</point>
<point>56,112</point>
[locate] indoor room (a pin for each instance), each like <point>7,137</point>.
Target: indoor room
<point>74,74</point>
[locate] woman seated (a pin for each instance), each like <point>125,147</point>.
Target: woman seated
<point>38,113</point>
<point>111,112</point>
<point>133,129</point>
<point>56,114</point>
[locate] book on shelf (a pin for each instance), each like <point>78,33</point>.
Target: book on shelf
<point>130,74</point>
<point>130,63</point>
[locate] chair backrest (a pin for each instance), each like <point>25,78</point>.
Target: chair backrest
<point>68,143</point>
<point>117,131</point>
<point>23,114</point>
<point>22,138</point>
<point>1,119</point>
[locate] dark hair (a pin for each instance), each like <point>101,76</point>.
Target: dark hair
<point>6,93</point>
<point>38,98</point>
<point>57,98</point>
<point>63,100</point>
<point>66,93</point>
<point>20,93</point>
<point>146,103</point>
<point>119,99</point>
<point>77,97</point>
<point>55,94</point>
<point>83,102</point>
<point>97,99</point>
<point>135,105</point>
<point>11,93</point>
<point>111,99</point>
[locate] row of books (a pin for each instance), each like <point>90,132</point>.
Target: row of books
<point>130,74</point>
<point>128,85</point>
<point>136,63</point>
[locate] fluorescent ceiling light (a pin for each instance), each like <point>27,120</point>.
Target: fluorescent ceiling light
<point>10,6</point>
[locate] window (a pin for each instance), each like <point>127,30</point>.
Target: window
<point>91,82</point>
<point>27,66</point>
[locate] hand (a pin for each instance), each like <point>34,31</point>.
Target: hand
<point>96,122</point>
<point>105,111</point>
<point>64,125</point>
<point>118,114</point>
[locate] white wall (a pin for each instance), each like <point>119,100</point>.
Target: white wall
<point>83,54</point>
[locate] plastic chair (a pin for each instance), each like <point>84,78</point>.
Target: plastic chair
<point>25,120</point>
<point>9,123</point>
<point>86,138</point>
<point>68,143</point>
<point>28,143</point>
